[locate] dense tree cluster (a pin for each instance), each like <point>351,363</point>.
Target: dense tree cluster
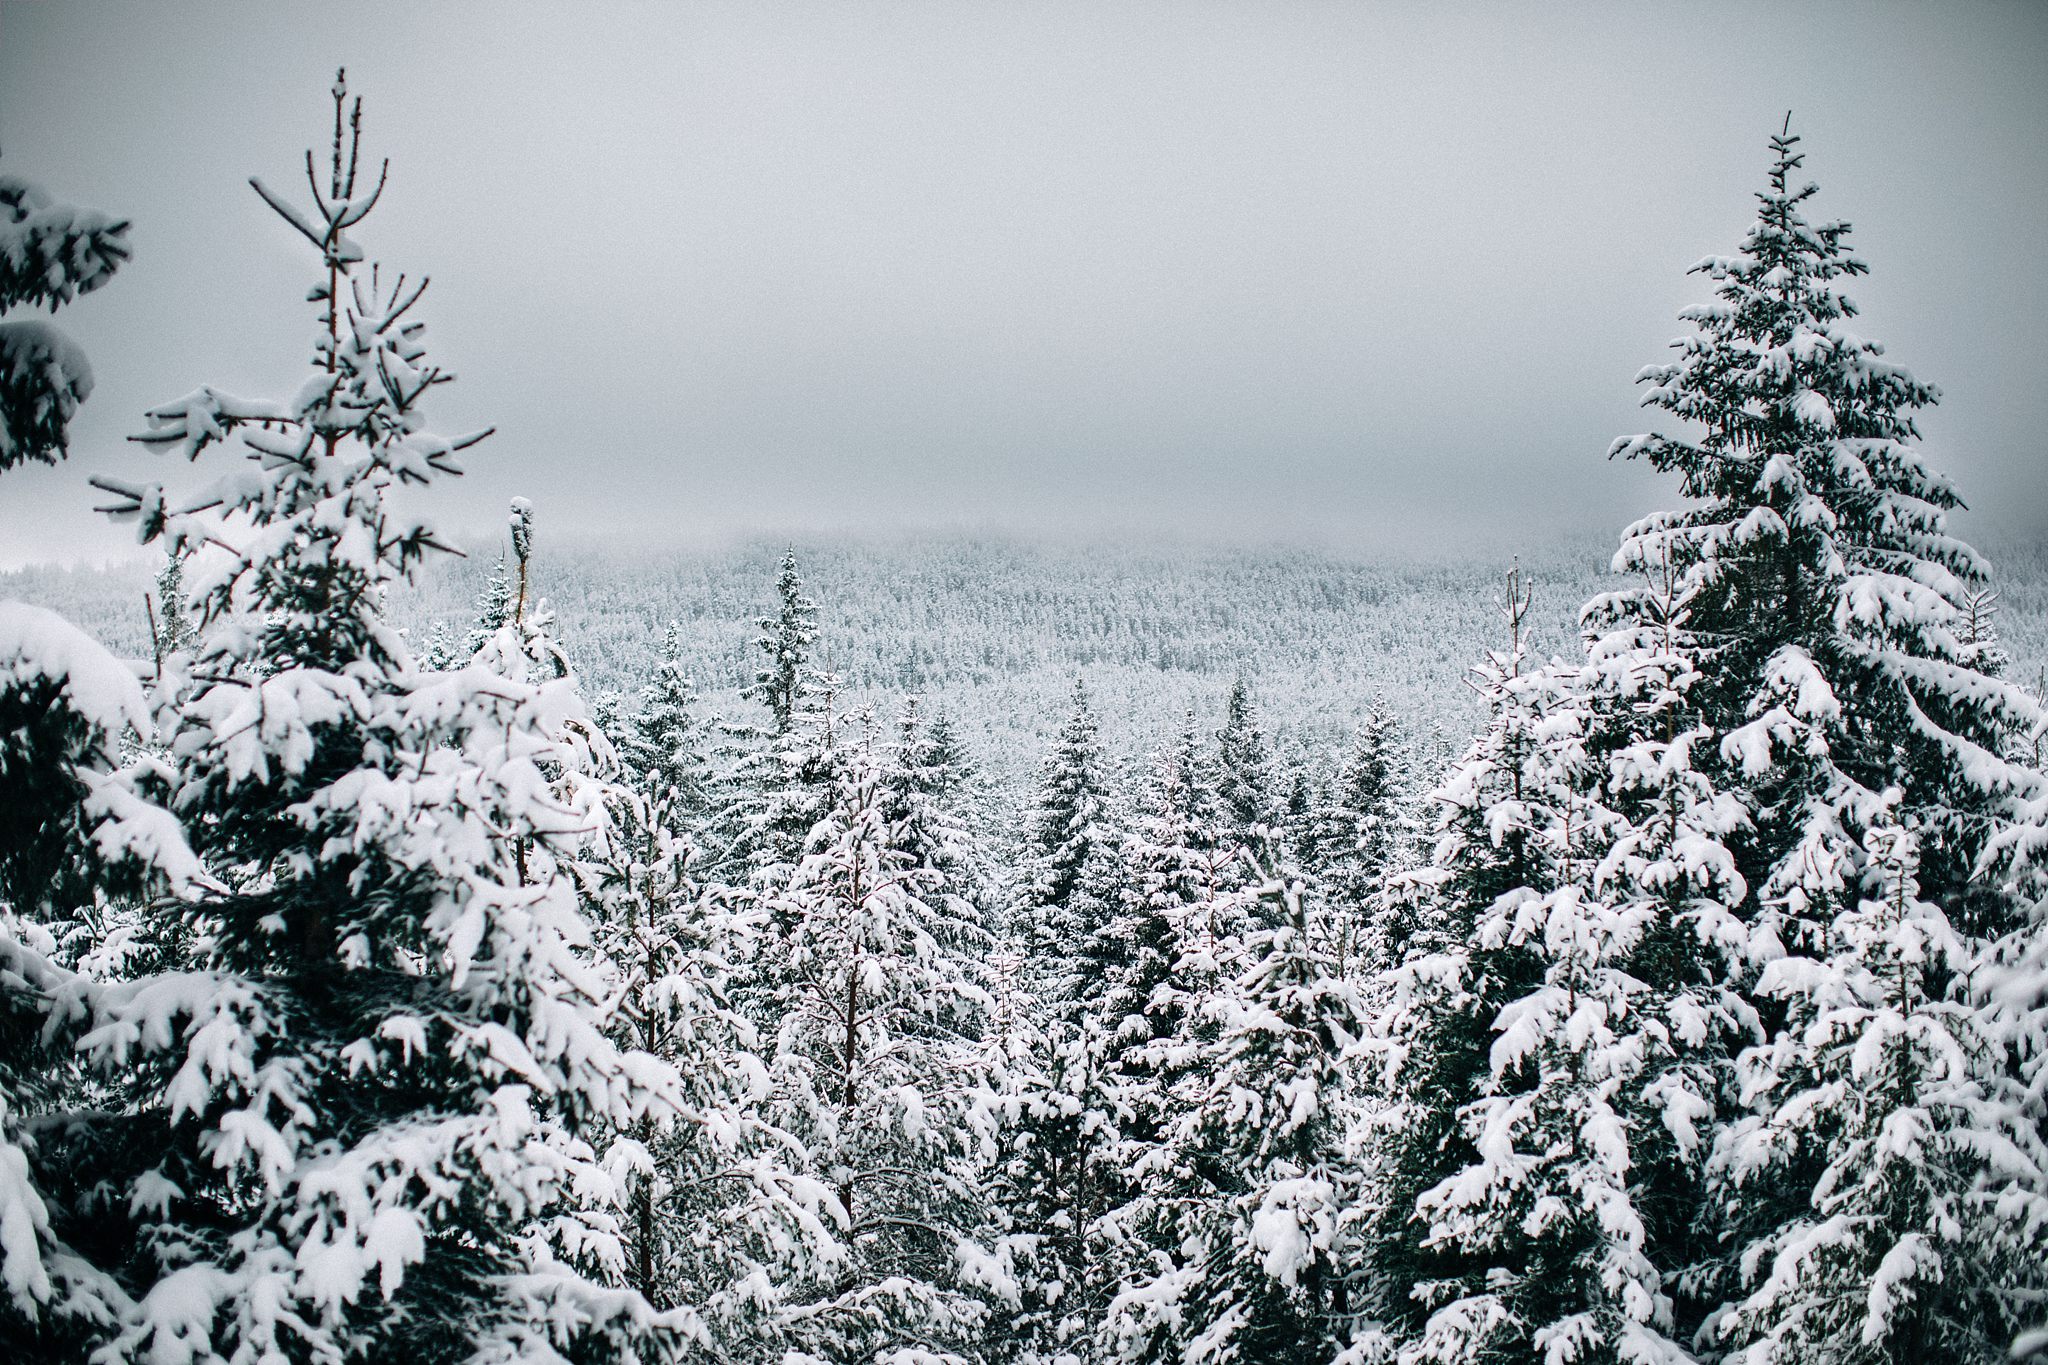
<point>365,1004</point>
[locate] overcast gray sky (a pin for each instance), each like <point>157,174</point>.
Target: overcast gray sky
<point>1335,271</point>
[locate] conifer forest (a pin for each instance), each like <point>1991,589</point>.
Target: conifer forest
<point>509,959</point>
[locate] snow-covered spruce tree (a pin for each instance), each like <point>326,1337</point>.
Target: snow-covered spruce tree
<point>50,253</point>
<point>79,843</point>
<point>1356,836</point>
<point>170,620</point>
<point>776,780</point>
<point>667,744</point>
<point>1180,937</point>
<point>1508,817</point>
<point>1836,658</point>
<point>1101,1102</point>
<point>1054,1176</point>
<point>1244,1187</point>
<point>1924,1235</point>
<point>1185,906</point>
<point>720,1220</point>
<point>880,1009</point>
<point>1244,764</point>
<point>786,639</point>
<point>1818,563</point>
<point>1590,1124</point>
<point>917,801</point>
<point>942,758</point>
<point>1668,880</point>
<point>353,1132</point>
<point>493,611</point>
<point>1066,898</point>
<point>80,848</point>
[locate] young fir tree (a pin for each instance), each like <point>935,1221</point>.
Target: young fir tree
<point>1054,1178</point>
<point>50,253</point>
<point>786,639</point>
<point>170,617</point>
<point>778,779</point>
<point>1836,664</point>
<point>942,758</point>
<point>1362,832</point>
<point>493,610</point>
<point>353,1132</point>
<point>1244,1188</point>
<point>667,743</point>
<point>1067,895</point>
<point>880,1008</point>
<point>1185,907</point>
<point>1509,829</point>
<point>1244,765</point>
<point>1180,937</point>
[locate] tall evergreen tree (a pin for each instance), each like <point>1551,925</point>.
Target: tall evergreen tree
<point>1820,572</point>
<point>1242,1191</point>
<point>776,780</point>
<point>1244,764</point>
<point>1068,894</point>
<point>354,1132</point>
<point>1509,829</point>
<point>880,1009</point>
<point>667,743</point>
<point>785,642</point>
<point>1360,833</point>
<point>1843,688</point>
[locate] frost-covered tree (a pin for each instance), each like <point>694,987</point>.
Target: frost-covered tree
<point>493,611</point>
<point>775,782</point>
<point>354,1130</point>
<point>721,1223</point>
<point>50,253</point>
<point>1845,684</point>
<point>1668,880</point>
<point>81,842</point>
<point>880,1005</point>
<point>1244,764</point>
<point>1185,905</point>
<point>1883,1099</point>
<point>1241,1195</point>
<point>1070,856</point>
<point>170,620</point>
<point>667,742</point>
<point>785,643</point>
<point>1573,1227</point>
<point>942,757</point>
<point>1820,570</point>
<point>1357,835</point>
<point>1510,826</point>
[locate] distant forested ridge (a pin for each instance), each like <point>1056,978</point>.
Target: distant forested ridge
<point>994,631</point>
